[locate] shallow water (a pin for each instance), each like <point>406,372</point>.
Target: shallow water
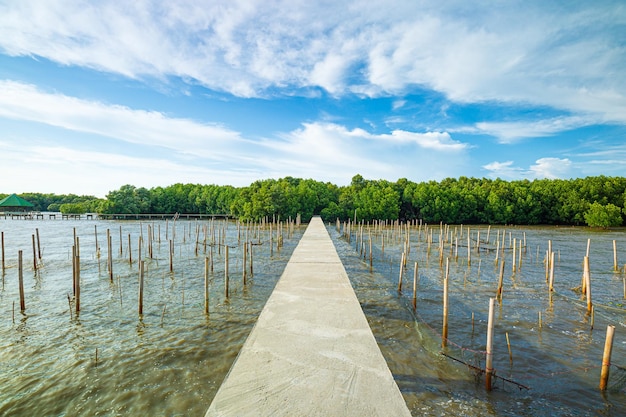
<point>172,359</point>
<point>169,361</point>
<point>558,364</point>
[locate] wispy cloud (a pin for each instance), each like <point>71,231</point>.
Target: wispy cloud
<point>542,168</point>
<point>512,132</point>
<point>248,48</point>
<point>26,102</point>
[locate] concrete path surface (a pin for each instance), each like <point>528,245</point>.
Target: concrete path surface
<point>311,352</point>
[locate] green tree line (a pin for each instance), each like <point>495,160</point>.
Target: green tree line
<point>595,201</point>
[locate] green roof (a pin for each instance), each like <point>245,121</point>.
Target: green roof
<point>15,201</point>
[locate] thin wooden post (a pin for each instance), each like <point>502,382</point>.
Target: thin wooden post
<point>110,255</point>
<point>3,262</point>
<point>514,254</point>
<point>500,280</point>
<point>130,251</point>
<point>39,244</point>
<point>415,274</point>
<point>444,333</point>
<point>34,255</point>
<point>587,273</point>
<point>20,276</point>
<point>171,255</point>
<point>244,261</point>
<point>508,345</point>
<point>77,295</point>
<point>401,272</point>
<point>141,264</point>
<point>606,357</point>
<point>206,286</point>
<point>552,271</point>
<point>615,267</point>
<point>489,349</point>
<point>226,270</point>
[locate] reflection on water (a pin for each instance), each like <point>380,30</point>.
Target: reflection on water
<point>169,361</point>
<point>559,362</point>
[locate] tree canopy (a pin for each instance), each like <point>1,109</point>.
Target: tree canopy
<point>595,201</point>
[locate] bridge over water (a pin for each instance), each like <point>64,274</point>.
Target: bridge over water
<point>311,352</point>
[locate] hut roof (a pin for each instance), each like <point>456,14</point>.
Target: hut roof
<point>14,201</point>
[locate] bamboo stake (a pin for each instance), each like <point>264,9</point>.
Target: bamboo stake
<point>615,267</point>
<point>34,255</point>
<point>587,283</point>
<point>130,251</point>
<point>606,357</point>
<point>552,271</point>
<point>141,269</point>
<point>3,262</point>
<point>39,244</point>
<point>226,270</point>
<point>514,253</point>
<point>244,262</point>
<point>77,283</point>
<point>20,276</point>
<point>171,255</point>
<point>500,281</point>
<point>489,349</point>
<point>508,344</point>
<point>121,242</point>
<point>110,255</point>
<point>444,333</point>
<point>401,272</point>
<point>415,274</point>
<point>206,286</point>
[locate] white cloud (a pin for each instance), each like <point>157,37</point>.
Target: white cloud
<point>562,56</point>
<point>25,102</point>
<point>543,168</point>
<point>550,168</point>
<point>511,132</point>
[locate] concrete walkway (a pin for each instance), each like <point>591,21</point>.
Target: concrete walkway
<point>311,353</point>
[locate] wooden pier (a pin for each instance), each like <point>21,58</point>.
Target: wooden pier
<point>311,352</point>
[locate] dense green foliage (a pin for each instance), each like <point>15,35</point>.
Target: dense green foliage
<point>596,201</point>
<point>604,216</point>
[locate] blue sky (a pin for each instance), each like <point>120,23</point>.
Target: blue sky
<point>98,94</point>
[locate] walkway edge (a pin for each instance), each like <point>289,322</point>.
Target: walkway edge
<point>311,352</point>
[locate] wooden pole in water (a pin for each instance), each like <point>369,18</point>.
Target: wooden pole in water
<point>552,271</point>
<point>514,254</point>
<point>401,272</point>
<point>141,263</point>
<point>130,251</point>
<point>587,273</point>
<point>606,357</point>
<point>110,255</point>
<point>615,267</point>
<point>251,262</point>
<point>34,255</point>
<point>244,262</point>
<point>489,356</point>
<point>226,270</point>
<point>415,287</point>
<point>39,244</point>
<point>77,296</point>
<point>3,262</point>
<point>171,255</point>
<point>508,344</point>
<point>20,276</point>
<point>444,333</point>
<point>206,286</point>
<point>500,280</point>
